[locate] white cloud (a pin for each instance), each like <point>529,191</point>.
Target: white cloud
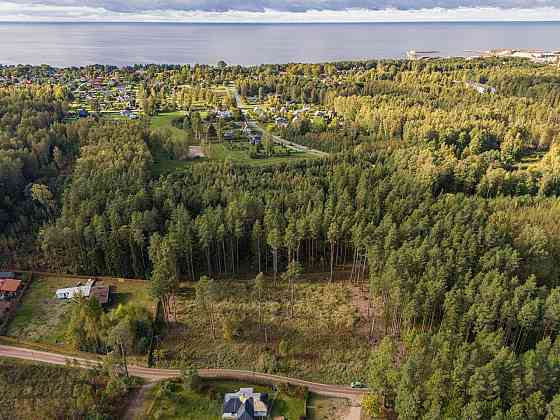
<point>11,11</point>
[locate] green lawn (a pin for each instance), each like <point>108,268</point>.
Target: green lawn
<point>164,119</point>
<point>238,152</point>
<point>42,317</point>
<point>170,400</point>
<point>163,165</point>
<point>325,341</point>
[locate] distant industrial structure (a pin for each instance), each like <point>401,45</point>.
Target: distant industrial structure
<point>536,56</point>
<point>421,55</point>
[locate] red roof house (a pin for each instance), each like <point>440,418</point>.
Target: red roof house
<point>9,287</point>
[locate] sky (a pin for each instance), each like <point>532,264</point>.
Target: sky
<point>280,11</point>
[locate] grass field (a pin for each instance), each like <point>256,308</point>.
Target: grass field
<point>42,317</point>
<point>164,119</point>
<point>325,341</point>
<point>170,400</point>
<point>238,152</point>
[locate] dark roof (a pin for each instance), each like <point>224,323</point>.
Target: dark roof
<point>7,275</point>
<point>247,411</point>
<point>232,405</point>
<point>246,416</point>
<point>101,293</point>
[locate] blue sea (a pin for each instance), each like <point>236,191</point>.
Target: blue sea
<point>76,44</point>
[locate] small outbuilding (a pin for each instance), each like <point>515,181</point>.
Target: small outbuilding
<point>101,293</point>
<point>9,288</point>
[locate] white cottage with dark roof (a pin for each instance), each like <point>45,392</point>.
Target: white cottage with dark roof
<point>245,405</point>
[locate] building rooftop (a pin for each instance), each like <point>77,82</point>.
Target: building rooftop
<point>101,293</point>
<point>9,285</point>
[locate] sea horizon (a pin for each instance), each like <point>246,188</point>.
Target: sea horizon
<point>65,44</point>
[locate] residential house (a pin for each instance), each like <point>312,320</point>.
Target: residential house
<point>89,290</point>
<point>78,290</point>
<point>255,139</point>
<point>129,114</point>
<point>480,88</point>
<point>281,122</point>
<point>245,405</point>
<point>9,288</point>
<point>226,115</point>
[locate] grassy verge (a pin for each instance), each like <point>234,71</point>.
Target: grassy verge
<point>325,341</point>
<point>170,400</point>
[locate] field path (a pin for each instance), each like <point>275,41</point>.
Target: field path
<point>355,413</point>
<point>135,409</point>
<point>154,375</point>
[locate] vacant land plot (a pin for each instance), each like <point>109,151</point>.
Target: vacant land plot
<point>170,400</point>
<point>325,340</point>
<point>42,317</point>
<point>325,408</point>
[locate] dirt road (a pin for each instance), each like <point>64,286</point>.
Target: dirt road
<point>153,375</point>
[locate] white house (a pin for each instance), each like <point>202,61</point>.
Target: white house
<point>480,88</point>
<point>70,292</point>
<point>245,405</point>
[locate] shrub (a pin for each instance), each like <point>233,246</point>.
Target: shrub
<point>191,379</point>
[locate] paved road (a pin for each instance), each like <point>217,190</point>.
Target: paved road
<point>153,375</point>
<point>291,145</point>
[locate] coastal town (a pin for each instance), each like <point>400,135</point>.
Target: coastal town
<point>534,55</point>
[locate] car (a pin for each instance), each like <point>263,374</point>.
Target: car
<point>358,384</point>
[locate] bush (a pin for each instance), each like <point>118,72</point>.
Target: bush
<point>191,379</point>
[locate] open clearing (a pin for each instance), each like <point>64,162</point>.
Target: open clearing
<point>325,341</point>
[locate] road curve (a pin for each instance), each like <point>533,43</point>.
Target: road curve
<point>153,374</point>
